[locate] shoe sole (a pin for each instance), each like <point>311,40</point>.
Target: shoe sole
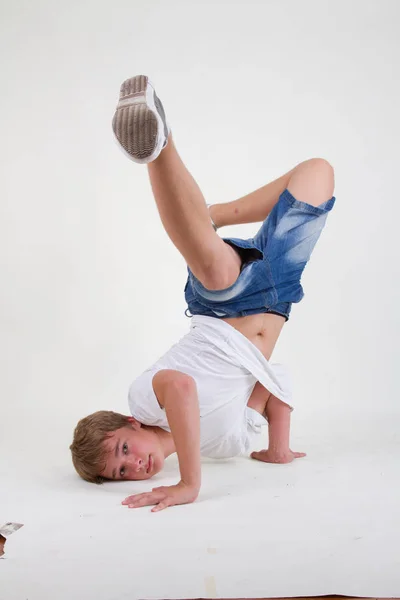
<point>138,125</point>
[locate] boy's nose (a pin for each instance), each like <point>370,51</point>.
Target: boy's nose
<point>139,463</point>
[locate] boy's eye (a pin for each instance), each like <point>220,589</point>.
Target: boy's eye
<point>122,471</point>
<point>125,448</point>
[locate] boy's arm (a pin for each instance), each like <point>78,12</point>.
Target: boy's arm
<point>178,395</point>
<point>278,416</point>
<point>176,392</point>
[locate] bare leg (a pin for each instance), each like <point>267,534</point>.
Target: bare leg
<point>311,181</point>
<point>186,219</point>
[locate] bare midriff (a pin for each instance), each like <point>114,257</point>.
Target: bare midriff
<point>262,330</point>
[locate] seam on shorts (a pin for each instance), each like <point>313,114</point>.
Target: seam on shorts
<point>309,208</point>
<point>266,260</point>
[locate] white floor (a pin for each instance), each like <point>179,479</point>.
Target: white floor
<point>328,524</point>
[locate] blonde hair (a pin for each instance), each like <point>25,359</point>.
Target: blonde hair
<point>89,454</point>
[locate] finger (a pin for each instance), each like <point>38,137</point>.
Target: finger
<point>134,497</point>
<point>130,498</point>
<point>146,500</point>
<point>299,454</point>
<point>258,455</point>
<point>161,506</point>
<point>142,502</point>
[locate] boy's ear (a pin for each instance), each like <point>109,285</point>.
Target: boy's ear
<point>134,423</point>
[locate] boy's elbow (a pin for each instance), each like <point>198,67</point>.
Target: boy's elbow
<point>182,390</point>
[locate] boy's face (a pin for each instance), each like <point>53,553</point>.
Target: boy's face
<point>134,453</point>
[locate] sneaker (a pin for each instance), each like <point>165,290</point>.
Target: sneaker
<point>139,122</point>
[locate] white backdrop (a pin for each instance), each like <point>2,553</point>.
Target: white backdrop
<point>92,288</point>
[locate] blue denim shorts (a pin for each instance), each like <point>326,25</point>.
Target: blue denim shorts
<point>270,281</point>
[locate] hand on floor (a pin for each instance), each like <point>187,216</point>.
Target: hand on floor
<point>273,456</point>
<point>163,497</point>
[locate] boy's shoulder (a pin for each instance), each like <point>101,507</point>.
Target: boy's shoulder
<point>142,400</point>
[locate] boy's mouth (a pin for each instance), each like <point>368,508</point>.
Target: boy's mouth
<point>149,465</point>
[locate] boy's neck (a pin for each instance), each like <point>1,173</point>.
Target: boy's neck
<point>165,438</point>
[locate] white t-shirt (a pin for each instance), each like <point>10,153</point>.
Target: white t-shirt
<point>225,366</point>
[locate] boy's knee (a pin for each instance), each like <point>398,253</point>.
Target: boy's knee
<point>313,181</point>
<point>321,167</point>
